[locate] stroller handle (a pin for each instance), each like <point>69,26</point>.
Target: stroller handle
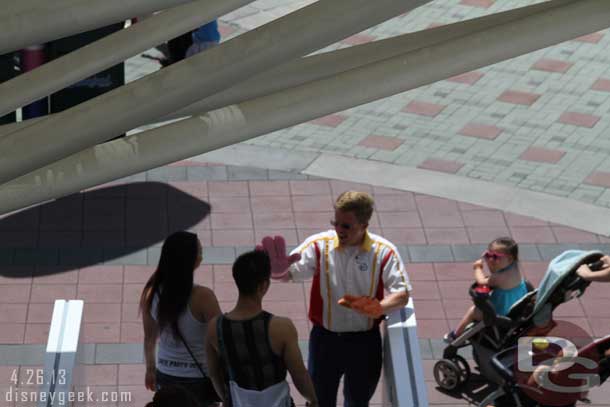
<point>596,266</point>
<point>580,284</point>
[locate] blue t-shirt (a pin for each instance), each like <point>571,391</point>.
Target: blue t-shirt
<point>207,33</point>
<point>504,299</point>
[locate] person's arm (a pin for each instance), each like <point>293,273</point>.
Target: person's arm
<point>299,265</point>
<point>492,280</point>
<point>586,273</point>
<point>602,275</point>
<point>215,370</point>
<point>207,303</point>
<point>284,330</point>
<point>151,334</point>
<point>479,274</point>
<point>305,267</point>
<point>394,301</point>
<point>396,282</point>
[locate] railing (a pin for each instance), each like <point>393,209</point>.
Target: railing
<point>405,385</point>
<point>59,375</point>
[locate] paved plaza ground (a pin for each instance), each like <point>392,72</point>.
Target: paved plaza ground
<point>532,129</point>
<point>102,245</point>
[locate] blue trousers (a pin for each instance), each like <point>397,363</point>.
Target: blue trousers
<point>356,355</point>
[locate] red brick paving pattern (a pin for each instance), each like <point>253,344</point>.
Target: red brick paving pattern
<point>423,108</point>
<point>483,131</point>
<point>579,119</point>
<point>381,142</point>
<point>602,85</point>
<point>469,78</point>
<point>543,155</point>
<point>478,3</point>
<point>519,98</point>
<point>552,65</point>
<point>112,292</point>
<point>450,167</point>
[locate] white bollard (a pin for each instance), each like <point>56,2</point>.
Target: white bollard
<point>58,376</point>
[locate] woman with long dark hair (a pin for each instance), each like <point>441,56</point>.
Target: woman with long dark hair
<point>175,313</point>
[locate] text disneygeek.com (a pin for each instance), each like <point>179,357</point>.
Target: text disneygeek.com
<point>64,398</point>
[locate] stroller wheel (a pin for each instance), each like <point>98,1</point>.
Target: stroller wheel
<point>447,374</point>
<point>464,367</point>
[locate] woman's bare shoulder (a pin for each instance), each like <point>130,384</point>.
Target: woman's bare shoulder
<point>203,292</point>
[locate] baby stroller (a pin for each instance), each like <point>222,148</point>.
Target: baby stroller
<point>512,393</point>
<point>496,333</point>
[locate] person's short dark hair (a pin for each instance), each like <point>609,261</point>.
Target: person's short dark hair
<point>250,270</point>
<point>173,395</point>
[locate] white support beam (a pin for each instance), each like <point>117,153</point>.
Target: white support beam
<point>237,123</point>
<point>320,66</point>
<point>43,21</point>
<point>110,50</point>
<point>183,83</point>
<point>39,82</point>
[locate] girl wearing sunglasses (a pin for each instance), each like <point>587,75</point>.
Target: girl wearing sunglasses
<point>505,280</point>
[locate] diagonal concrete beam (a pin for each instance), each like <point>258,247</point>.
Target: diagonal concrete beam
<point>249,119</point>
<point>37,83</point>
<point>109,51</point>
<point>181,84</point>
<point>324,65</point>
<point>43,21</point>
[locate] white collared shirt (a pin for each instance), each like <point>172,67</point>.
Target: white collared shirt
<point>365,270</point>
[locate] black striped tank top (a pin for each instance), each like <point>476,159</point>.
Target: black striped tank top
<point>249,353</point>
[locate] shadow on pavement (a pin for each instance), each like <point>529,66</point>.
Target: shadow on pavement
<point>473,392</point>
<point>96,226</point>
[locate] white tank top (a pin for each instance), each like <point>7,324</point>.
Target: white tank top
<point>172,356</point>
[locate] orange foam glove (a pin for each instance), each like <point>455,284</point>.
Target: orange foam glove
<point>367,306</point>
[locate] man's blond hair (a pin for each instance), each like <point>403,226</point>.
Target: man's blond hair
<point>361,203</point>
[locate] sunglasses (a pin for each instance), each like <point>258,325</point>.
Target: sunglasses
<point>345,226</point>
<point>491,255</point>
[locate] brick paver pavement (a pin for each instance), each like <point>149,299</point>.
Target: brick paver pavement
<point>102,245</point>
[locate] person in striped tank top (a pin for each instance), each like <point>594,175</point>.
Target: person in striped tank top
<point>254,349</point>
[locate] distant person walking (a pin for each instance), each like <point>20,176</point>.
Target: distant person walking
<point>175,313</point>
<point>191,43</point>
<point>204,37</point>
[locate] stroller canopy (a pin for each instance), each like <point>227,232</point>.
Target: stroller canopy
<point>559,268</point>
